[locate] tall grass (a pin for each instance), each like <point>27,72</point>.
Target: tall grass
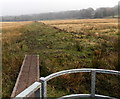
<point>61,48</point>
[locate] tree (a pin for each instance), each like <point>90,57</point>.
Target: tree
<point>87,13</point>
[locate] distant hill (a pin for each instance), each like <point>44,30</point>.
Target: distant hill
<point>110,12</point>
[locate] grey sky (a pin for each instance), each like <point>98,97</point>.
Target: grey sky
<point>20,7</point>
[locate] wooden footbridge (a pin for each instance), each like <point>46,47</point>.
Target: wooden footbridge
<point>28,74</point>
<point>30,84</point>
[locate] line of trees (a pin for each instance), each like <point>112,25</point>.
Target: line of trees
<point>103,12</point>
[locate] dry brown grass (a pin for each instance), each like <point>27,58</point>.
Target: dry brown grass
<point>6,25</point>
<point>102,33</point>
<point>97,26</point>
<point>9,30</point>
<point>11,53</point>
<point>71,44</point>
<point>75,21</point>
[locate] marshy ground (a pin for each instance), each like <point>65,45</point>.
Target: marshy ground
<point>61,45</point>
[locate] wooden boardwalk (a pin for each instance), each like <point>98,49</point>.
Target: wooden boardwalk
<point>28,74</point>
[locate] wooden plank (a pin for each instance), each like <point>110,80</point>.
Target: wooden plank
<point>29,73</point>
<point>32,77</point>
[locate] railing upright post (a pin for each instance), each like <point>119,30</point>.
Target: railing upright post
<point>43,92</point>
<point>37,94</point>
<point>93,81</point>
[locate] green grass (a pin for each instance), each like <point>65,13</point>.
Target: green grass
<point>58,50</point>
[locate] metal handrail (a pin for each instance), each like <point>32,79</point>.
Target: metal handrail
<point>51,76</point>
<point>93,79</point>
<point>29,91</point>
<point>40,88</point>
<point>85,96</point>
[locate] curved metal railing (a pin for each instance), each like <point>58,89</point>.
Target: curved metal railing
<point>40,88</point>
<point>43,92</point>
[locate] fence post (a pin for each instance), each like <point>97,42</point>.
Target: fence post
<point>93,80</point>
<point>37,94</point>
<point>43,92</point>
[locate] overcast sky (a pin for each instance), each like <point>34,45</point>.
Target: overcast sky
<point>20,7</point>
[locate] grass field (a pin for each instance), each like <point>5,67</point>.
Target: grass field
<point>63,44</point>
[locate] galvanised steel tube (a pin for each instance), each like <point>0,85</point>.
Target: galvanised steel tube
<point>107,71</point>
<point>93,77</point>
<point>54,75</point>
<point>81,70</point>
<point>104,97</point>
<point>75,96</point>
<point>93,82</point>
<point>87,96</point>
<point>43,93</point>
<point>30,90</point>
